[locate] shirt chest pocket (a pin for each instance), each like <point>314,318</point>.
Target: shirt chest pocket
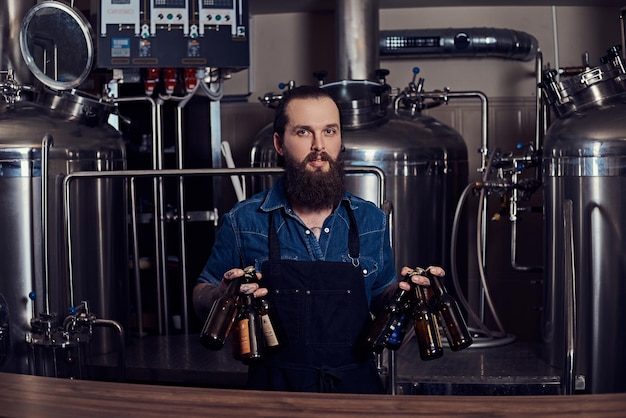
<point>366,265</point>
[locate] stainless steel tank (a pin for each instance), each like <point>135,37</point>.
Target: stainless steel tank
<point>13,11</point>
<point>424,162</point>
<point>75,124</point>
<point>98,213</point>
<point>585,227</point>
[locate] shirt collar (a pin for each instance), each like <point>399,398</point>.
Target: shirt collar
<point>276,198</point>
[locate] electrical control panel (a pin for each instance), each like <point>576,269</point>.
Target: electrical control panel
<point>173,33</point>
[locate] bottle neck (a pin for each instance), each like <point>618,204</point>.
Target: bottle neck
<point>436,285</point>
<point>419,293</point>
<point>233,288</point>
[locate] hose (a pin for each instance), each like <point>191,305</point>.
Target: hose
<point>238,183</point>
<point>491,339</point>
<point>213,94</point>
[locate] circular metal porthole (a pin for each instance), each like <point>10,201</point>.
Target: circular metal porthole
<point>57,46</point>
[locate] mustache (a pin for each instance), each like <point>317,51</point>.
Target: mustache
<point>318,155</point>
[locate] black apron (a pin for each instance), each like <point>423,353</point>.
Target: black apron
<point>324,312</point>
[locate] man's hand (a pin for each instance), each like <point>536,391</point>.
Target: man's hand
<point>418,278</point>
<point>246,288</point>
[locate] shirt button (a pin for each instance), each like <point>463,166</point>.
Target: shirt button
<point>308,232</point>
<point>327,230</point>
<point>364,271</point>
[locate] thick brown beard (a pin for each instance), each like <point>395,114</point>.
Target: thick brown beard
<point>314,189</point>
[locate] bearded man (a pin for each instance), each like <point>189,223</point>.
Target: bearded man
<point>323,256</point>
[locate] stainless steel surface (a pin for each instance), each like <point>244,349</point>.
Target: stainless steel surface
<point>100,254</point>
<point>515,369</point>
<point>424,161</point>
<point>458,42</point>
<point>362,103</point>
<point>593,85</point>
<point>622,15</point>
<point>426,168</point>
<point>357,33</point>
<point>570,300</point>
<point>584,160</point>
<point>56,44</point>
<point>12,13</point>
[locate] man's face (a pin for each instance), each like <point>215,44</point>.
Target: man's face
<point>313,128</point>
<point>314,175</point>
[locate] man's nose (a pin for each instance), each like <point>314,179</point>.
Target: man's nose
<point>318,143</point>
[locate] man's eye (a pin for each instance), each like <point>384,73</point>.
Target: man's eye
<point>330,131</point>
<point>302,132</point>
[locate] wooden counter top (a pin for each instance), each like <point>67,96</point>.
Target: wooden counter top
<point>33,396</point>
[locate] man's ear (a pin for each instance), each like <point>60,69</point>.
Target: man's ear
<point>278,144</point>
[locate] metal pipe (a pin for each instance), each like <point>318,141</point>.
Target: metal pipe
<point>484,149</point>
<point>47,142</point>
<point>622,14</point>
<point>540,110</point>
<point>180,173</point>
<point>182,217</point>
<point>353,169</point>
<point>121,355</point>
<point>393,373</point>
<point>357,27</point>
<point>514,264</point>
<point>159,224</point>
<point>540,130</point>
<point>216,148</point>
<point>135,244</point>
<point>569,381</point>
<point>159,206</point>
<point>452,42</point>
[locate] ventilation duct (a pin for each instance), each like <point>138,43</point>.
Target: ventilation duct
<point>472,42</point>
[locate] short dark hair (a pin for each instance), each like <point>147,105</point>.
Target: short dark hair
<point>301,92</point>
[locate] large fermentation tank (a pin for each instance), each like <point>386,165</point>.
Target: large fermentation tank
<point>423,160</point>
<point>98,221</point>
<point>34,281</point>
<point>585,218</point>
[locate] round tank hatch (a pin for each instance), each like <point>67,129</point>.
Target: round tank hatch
<point>56,44</point>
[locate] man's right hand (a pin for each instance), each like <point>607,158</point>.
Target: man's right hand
<point>246,288</point>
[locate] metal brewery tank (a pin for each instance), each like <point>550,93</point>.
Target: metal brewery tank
<point>585,226</point>
<point>424,162</point>
<point>98,220</point>
<point>75,125</point>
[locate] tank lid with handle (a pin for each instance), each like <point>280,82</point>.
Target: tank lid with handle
<point>57,46</point>
<point>591,85</point>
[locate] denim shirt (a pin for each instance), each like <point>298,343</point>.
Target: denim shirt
<point>242,238</point>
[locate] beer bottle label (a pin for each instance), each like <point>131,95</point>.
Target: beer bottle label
<point>268,331</point>
<point>244,337</point>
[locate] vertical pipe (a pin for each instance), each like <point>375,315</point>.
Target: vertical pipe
<point>155,132</point>
<point>12,14</point>
<point>159,223</point>
<point>135,243</point>
<point>45,156</point>
<point>357,33</point>
<point>540,128</point>
<point>182,216</point>
<point>556,41</point>
<point>216,149</point>
<point>569,384</point>
<point>622,15</point>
